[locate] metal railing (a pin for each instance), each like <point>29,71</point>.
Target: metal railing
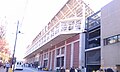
<point>68,26</point>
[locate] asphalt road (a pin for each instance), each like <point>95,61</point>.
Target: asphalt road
<point>27,70</point>
<point>30,70</point>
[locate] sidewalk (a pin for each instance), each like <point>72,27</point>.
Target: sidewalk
<point>36,70</point>
<point>2,69</point>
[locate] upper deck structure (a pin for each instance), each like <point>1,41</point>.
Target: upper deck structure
<point>66,23</point>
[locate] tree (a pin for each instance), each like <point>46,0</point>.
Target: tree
<point>4,50</point>
<point>2,31</point>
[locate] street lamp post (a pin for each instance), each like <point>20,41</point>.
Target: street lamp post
<point>13,56</point>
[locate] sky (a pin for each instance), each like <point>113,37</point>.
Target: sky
<point>33,15</point>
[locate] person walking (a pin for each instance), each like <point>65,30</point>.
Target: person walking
<point>7,66</point>
<point>72,69</point>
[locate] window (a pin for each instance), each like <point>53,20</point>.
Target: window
<point>48,35</point>
<point>93,57</point>
<point>62,50</point>
<point>60,62</point>
<point>44,38</point>
<point>94,43</point>
<point>119,38</point>
<point>52,32</point>
<point>77,25</point>
<point>58,51</point>
<point>45,63</point>
<point>47,55</point>
<point>112,40</point>
<point>44,55</point>
<point>70,25</point>
<point>20,63</point>
<point>17,63</point>
<point>57,29</point>
<point>63,26</point>
<point>94,33</point>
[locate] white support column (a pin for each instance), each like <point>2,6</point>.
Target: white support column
<point>82,43</point>
<point>48,58</point>
<point>65,56</point>
<point>55,59</point>
<point>41,60</point>
<point>51,61</point>
<point>72,49</point>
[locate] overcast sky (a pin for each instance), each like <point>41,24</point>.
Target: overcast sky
<point>36,14</point>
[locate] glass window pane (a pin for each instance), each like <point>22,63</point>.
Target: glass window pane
<point>17,63</point>
<point>58,62</point>
<point>70,25</point>
<point>112,40</point>
<point>94,43</point>
<point>118,37</point>
<point>45,63</point>
<point>20,63</point>
<point>58,51</point>
<point>62,61</point>
<point>77,25</point>
<point>62,50</point>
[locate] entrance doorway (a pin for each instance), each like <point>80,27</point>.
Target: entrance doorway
<point>90,68</point>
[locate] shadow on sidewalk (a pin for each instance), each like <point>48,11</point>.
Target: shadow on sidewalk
<point>2,69</point>
<point>35,69</point>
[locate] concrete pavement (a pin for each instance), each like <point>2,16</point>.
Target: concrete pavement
<point>36,70</point>
<point>2,69</point>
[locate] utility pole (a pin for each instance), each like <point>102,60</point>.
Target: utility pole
<point>13,56</point>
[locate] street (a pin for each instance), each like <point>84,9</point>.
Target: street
<point>25,69</point>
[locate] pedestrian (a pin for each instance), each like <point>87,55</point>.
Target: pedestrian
<point>57,70</point>
<point>93,71</point>
<point>4,65</point>
<point>101,70</point>
<point>79,70</point>
<point>67,70</point>
<point>76,70</point>
<point>72,69</point>
<point>62,69</point>
<point>7,66</point>
<point>38,67</point>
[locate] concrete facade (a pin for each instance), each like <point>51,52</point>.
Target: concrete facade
<point>110,26</point>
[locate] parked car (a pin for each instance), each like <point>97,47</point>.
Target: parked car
<point>18,65</point>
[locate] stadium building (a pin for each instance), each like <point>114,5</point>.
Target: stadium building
<point>77,37</point>
<point>62,42</point>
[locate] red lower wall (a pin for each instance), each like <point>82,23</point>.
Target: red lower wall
<point>68,56</point>
<point>76,55</point>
